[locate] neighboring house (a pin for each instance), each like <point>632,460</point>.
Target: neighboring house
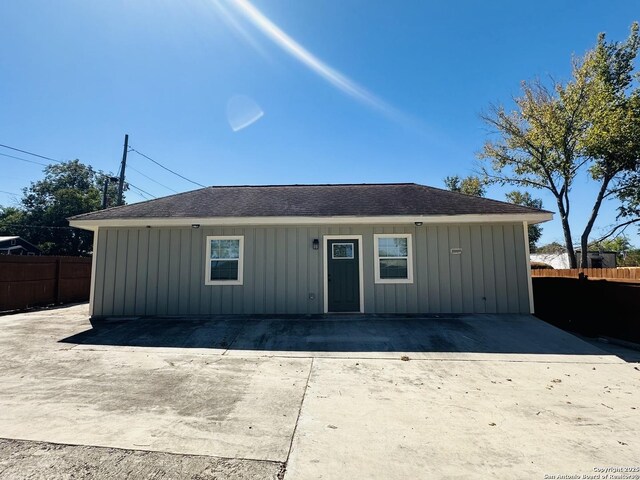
<point>311,249</point>
<point>561,260</point>
<point>17,246</point>
<point>600,259</point>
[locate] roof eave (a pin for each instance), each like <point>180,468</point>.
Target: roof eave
<point>94,224</point>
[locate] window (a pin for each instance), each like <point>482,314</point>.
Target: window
<point>224,260</point>
<point>342,251</point>
<point>393,254</point>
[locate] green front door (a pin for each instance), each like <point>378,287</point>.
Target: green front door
<point>343,275</point>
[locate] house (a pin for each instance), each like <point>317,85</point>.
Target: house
<point>560,260</point>
<point>311,249</point>
<point>14,245</point>
<point>600,259</point>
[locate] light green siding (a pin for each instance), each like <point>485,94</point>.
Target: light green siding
<point>160,271</point>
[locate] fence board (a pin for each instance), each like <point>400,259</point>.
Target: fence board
<point>627,273</point>
<point>30,281</point>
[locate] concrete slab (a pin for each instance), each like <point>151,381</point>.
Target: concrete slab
<point>472,337</point>
<point>170,402</point>
<point>477,396</point>
<point>380,419</point>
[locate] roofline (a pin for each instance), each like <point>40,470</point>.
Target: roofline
<point>530,218</point>
<point>13,237</point>
<point>301,185</point>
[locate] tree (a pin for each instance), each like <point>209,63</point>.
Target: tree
<point>590,124</point>
<point>526,200</point>
<point>471,185</point>
<point>553,247</point>
<point>617,244</point>
<point>627,255</point>
<point>68,189</point>
<point>612,141</point>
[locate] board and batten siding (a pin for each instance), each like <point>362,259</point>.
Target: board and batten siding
<point>160,271</point>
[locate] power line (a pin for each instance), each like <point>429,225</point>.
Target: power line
<point>24,159</point>
<point>154,181</point>
<point>131,149</point>
<point>31,226</point>
<point>141,195</point>
<point>140,190</point>
<point>8,193</point>
<point>31,153</point>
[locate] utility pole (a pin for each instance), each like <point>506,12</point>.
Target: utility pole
<point>123,166</point>
<point>104,193</point>
<point>105,190</point>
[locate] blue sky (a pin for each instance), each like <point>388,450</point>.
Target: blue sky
<point>409,80</point>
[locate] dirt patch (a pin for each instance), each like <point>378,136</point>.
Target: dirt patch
<point>21,459</point>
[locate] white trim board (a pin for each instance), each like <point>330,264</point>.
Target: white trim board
<point>325,268</point>
<point>531,218</point>
<point>527,254</point>
<point>208,259</point>
<point>376,256</point>
<point>94,262</point>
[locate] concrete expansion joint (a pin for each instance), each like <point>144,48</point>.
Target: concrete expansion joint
<point>283,470</point>
<point>231,342</point>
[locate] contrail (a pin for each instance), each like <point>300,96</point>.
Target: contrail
<point>303,55</point>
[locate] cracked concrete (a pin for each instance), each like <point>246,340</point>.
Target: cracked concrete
<point>324,398</point>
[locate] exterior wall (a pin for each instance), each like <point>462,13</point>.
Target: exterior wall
<point>160,271</point>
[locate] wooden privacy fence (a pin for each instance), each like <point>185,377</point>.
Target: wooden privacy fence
<point>30,281</point>
<point>622,273</point>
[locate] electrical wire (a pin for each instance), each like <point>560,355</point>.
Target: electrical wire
<point>24,159</point>
<point>32,226</point>
<point>141,190</point>
<point>131,149</point>
<point>8,193</point>
<point>31,153</point>
<point>154,181</point>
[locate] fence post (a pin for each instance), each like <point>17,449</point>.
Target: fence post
<point>57,285</point>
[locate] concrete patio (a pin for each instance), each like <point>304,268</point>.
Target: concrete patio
<point>338,397</point>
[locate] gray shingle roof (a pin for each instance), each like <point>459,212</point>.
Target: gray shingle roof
<point>310,201</point>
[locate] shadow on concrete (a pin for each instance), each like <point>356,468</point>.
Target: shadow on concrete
<point>522,334</point>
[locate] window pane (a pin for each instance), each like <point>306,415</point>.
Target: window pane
<point>224,270</point>
<point>225,249</point>
<point>392,247</point>
<point>342,250</point>
<point>395,268</point>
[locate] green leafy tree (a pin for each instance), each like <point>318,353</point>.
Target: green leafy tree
<point>526,200</point>
<point>627,254</point>
<point>612,141</point>
<point>617,244</point>
<point>591,124</point>
<point>471,185</point>
<point>553,247</point>
<point>67,189</point>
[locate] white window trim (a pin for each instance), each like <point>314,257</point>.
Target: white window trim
<point>342,258</point>
<point>376,250</point>
<point>207,273</point>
